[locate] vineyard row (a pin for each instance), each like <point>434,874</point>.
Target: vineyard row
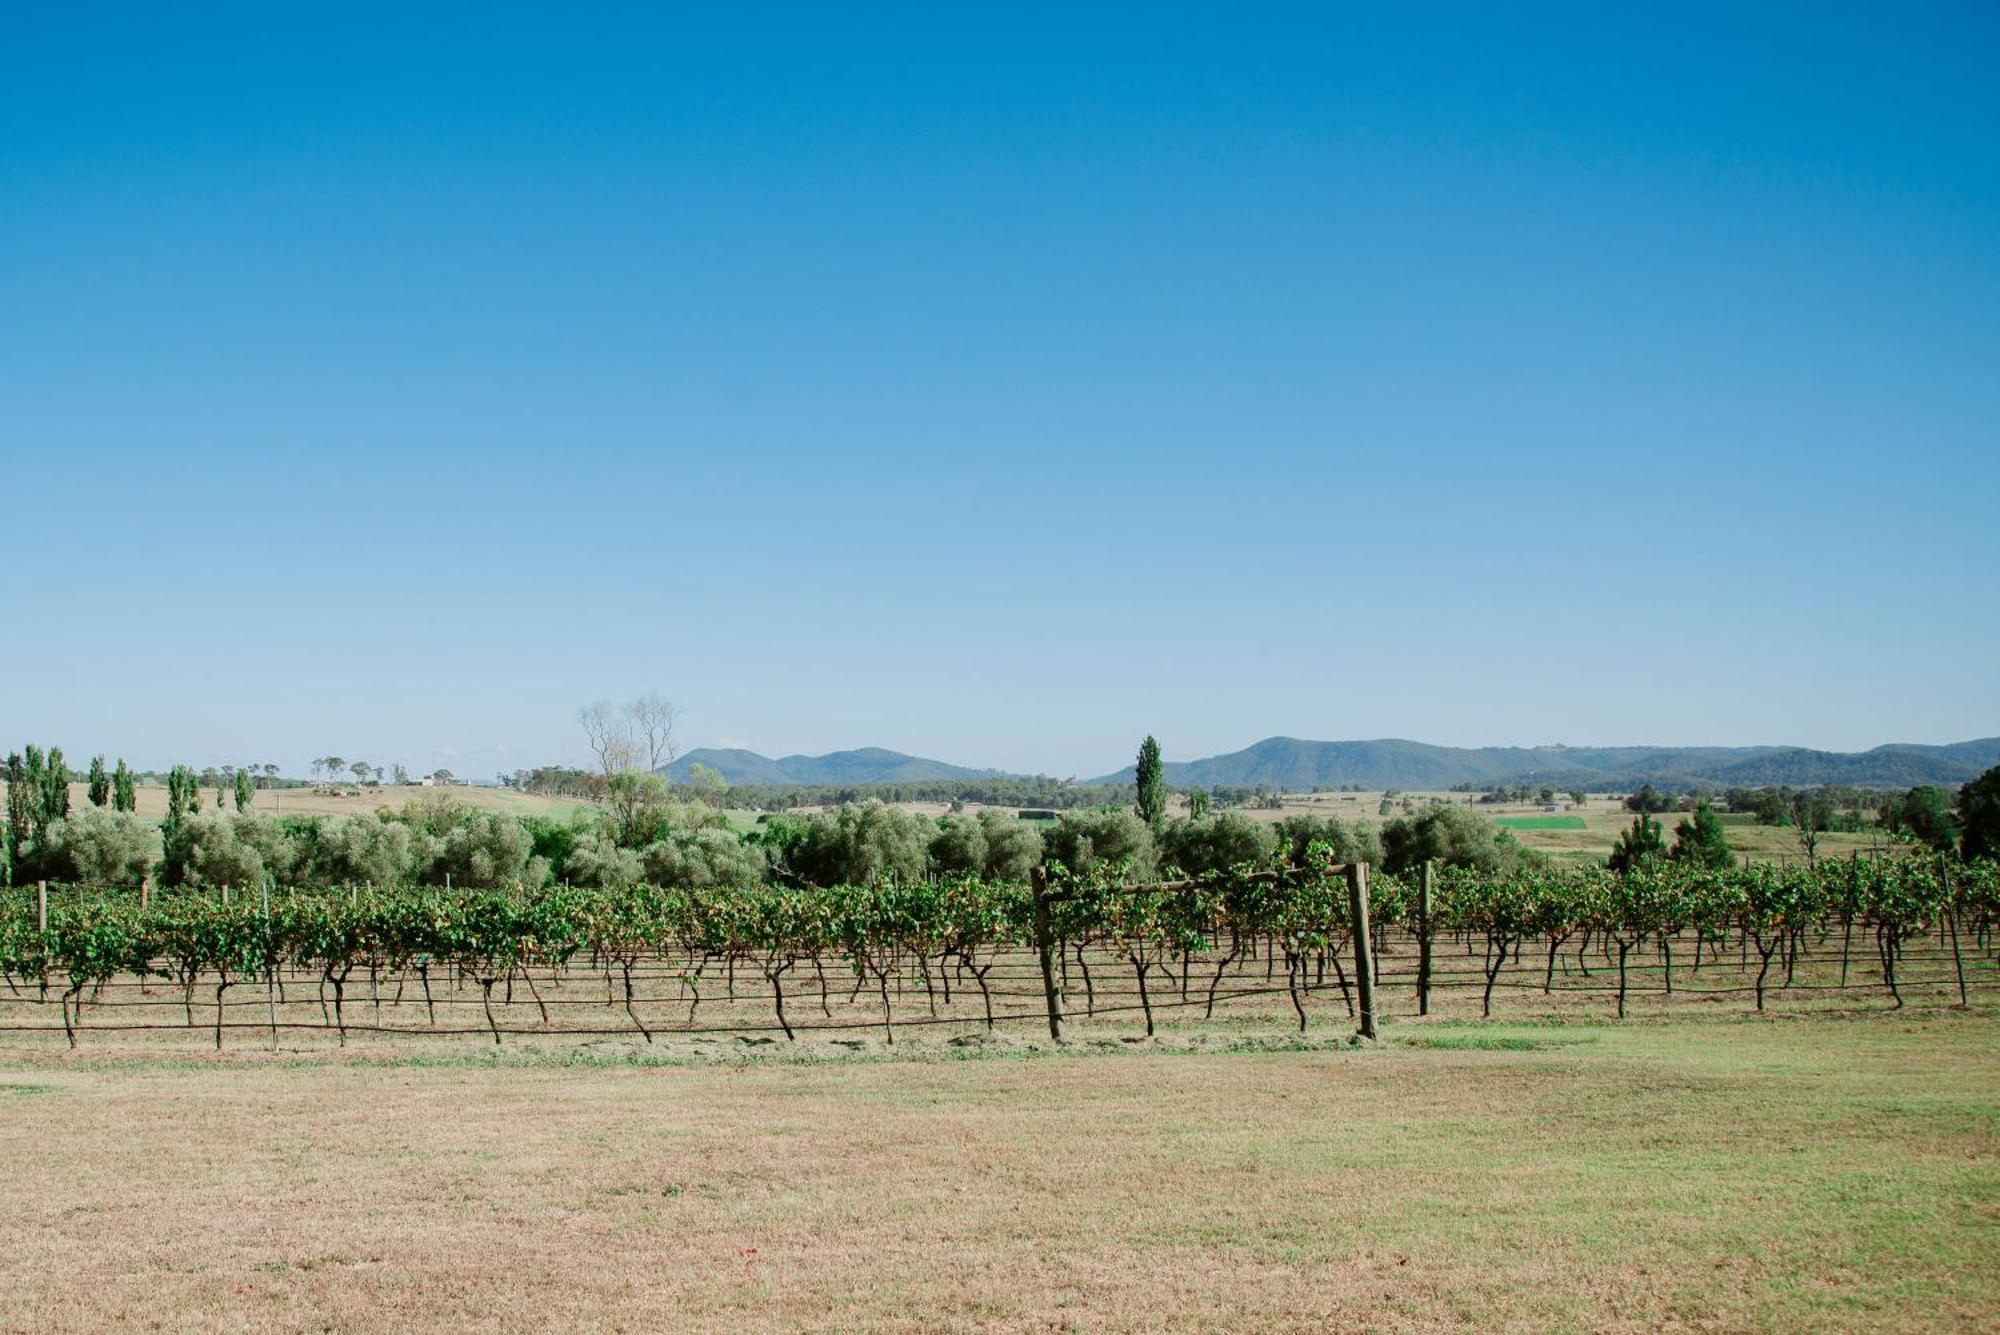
<point>1035,949</point>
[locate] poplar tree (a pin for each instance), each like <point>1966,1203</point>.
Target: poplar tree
<point>32,797</point>
<point>55,789</point>
<point>246,790</point>
<point>37,797</point>
<point>22,797</point>
<point>183,800</point>
<point>100,783</point>
<point>124,792</point>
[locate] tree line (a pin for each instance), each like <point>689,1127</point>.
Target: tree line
<point>39,824</point>
<point>1967,822</point>
<point>1037,792</point>
<point>641,829</point>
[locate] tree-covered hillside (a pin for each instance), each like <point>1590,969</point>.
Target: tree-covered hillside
<point>1292,764</point>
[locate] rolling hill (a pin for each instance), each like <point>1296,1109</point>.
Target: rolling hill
<point>869,764</point>
<point>1295,765</point>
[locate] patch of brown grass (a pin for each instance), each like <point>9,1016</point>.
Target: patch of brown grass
<point>1711,1176</point>
<point>350,800</point>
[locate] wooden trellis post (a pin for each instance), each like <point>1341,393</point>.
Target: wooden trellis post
<point>1424,941</point>
<point>271,969</point>
<point>1364,951</point>
<point>1038,882</point>
<point>1951,922</point>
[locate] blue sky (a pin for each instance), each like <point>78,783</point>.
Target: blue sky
<point>997,384</point>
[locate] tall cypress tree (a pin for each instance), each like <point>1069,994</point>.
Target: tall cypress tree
<point>246,789</point>
<point>100,783</point>
<point>1151,779</point>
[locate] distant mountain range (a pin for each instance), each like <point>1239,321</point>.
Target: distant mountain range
<point>1291,764</point>
<point>870,764</point>
<point>1294,765</point>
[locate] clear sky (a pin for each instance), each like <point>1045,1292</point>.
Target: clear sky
<point>997,383</point>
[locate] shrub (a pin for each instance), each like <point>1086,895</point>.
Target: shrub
<point>1083,839</point>
<point>102,847</point>
<point>1451,836</point>
<point>1215,843</point>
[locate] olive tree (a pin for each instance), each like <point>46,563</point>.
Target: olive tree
<point>596,860</point>
<point>99,846</point>
<point>239,851</point>
<point>1215,843</point>
<point>484,850</point>
<point>1013,846</point>
<point>1450,836</point>
<point>861,844</point>
<point>703,858</point>
<point>1083,839</point>
<point>1347,843</point>
<point>959,847</point>
<point>361,850</point>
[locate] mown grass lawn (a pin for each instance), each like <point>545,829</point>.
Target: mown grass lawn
<point>1825,1173</point>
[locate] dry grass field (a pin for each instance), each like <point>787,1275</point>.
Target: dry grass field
<point>152,801</point>
<point>1836,1172</point>
<point>1604,818</point>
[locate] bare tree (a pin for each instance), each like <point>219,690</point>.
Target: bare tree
<point>652,717</point>
<point>1811,814</point>
<point>609,737</point>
